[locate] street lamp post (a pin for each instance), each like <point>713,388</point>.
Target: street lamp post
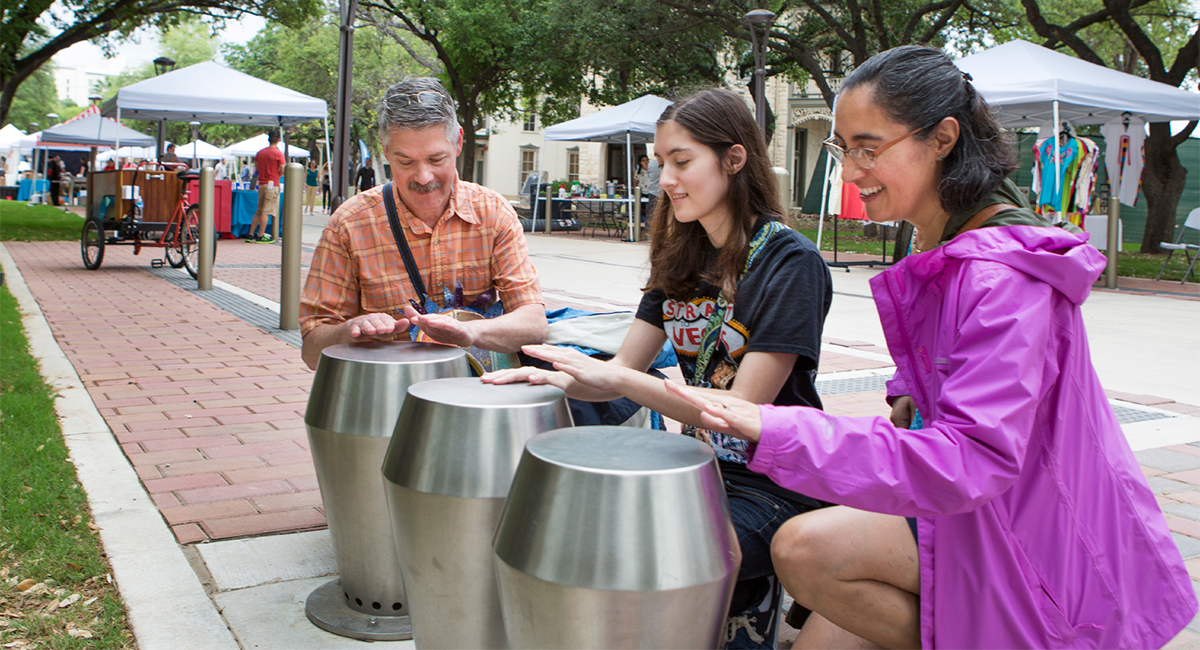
<point>161,65</point>
<point>195,136</point>
<point>760,19</point>
<point>339,172</point>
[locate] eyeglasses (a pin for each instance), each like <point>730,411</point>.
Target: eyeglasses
<point>864,158</point>
<point>425,97</point>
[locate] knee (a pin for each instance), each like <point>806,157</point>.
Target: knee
<point>802,553</point>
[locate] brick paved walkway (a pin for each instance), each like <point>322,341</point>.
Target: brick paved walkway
<point>209,407</point>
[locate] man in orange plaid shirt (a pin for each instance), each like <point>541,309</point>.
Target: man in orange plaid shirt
<point>358,287</point>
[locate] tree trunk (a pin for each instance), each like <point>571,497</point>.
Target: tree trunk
<point>467,157</point>
<point>1163,179</point>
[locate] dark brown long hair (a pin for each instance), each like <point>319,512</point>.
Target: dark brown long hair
<point>679,252</point>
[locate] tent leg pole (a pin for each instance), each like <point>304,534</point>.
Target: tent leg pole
<point>1057,163</point>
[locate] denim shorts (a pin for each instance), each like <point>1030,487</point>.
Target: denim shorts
<point>756,516</point>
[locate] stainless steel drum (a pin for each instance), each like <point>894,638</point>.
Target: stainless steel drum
<point>448,470</point>
<point>614,537</point>
<point>352,409</point>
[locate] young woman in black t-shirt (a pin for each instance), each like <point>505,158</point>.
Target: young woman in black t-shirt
<point>741,298</point>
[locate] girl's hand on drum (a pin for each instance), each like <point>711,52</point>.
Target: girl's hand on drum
<point>375,326</point>
<point>582,368</point>
<point>527,374</point>
<point>722,413</point>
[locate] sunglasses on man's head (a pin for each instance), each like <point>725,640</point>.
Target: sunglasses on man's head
<point>425,97</point>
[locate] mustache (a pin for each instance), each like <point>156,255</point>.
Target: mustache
<point>431,186</point>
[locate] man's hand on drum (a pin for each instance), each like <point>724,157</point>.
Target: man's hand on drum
<point>723,413</point>
<point>375,327</point>
<point>443,329</point>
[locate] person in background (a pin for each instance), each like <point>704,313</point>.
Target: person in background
<point>54,172</point>
<point>366,176</point>
<point>647,180</point>
<point>1014,515</point>
<point>170,156</point>
<point>310,187</point>
<point>269,163</point>
<point>743,300</point>
<point>220,171</point>
<point>325,187</point>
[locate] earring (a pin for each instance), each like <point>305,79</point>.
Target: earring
<point>941,158</point>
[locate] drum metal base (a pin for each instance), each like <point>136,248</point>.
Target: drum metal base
<point>326,608</point>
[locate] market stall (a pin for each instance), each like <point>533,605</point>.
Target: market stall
<point>211,93</point>
<point>1030,85</point>
<point>630,123</point>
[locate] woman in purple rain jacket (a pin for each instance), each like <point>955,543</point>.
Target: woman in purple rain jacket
<point>1030,524</point>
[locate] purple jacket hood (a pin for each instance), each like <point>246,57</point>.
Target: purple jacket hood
<point>1061,259</point>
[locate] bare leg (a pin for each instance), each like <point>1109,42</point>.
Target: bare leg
<point>858,570</point>
<point>818,632</point>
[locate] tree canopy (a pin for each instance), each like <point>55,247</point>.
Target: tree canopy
<point>33,31</point>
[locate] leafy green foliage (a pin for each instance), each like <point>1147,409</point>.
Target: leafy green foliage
<point>634,47</point>
<point>36,97</point>
<point>33,31</point>
<point>305,59</point>
<point>496,57</point>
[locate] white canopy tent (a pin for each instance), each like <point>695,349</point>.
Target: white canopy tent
<point>1030,85</point>
<point>86,133</point>
<point>94,131</point>
<point>628,123</point>
<point>198,149</point>
<point>10,137</point>
<point>215,94</point>
<point>252,146</point>
<point>143,153</point>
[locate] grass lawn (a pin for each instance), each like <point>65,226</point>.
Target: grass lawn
<point>56,589</point>
<point>1130,262</point>
<point>20,221</point>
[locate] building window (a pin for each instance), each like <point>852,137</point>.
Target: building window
<point>573,166</point>
<point>530,121</point>
<point>528,163</point>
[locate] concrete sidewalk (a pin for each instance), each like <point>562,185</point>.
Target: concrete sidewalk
<point>184,413</point>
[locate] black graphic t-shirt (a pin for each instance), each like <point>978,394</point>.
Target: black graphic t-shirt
<point>780,306</point>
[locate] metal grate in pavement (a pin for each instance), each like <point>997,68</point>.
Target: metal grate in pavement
<point>1126,415</point>
<point>256,315</point>
<point>852,385</point>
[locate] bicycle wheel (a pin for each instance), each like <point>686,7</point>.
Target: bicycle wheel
<point>91,244</point>
<point>174,247</point>
<point>190,238</point>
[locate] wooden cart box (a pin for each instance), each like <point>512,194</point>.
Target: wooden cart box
<point>159,191</point>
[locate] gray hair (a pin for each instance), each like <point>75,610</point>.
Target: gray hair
<point>399,108</point>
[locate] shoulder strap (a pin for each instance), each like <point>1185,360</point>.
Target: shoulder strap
<point>414,274</point>
<point>983,215</point>
<point>712,330</point>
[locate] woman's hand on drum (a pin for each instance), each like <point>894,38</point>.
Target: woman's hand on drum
<point>722,413</point>
<point>369,327</point>
<point>527,374</point>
